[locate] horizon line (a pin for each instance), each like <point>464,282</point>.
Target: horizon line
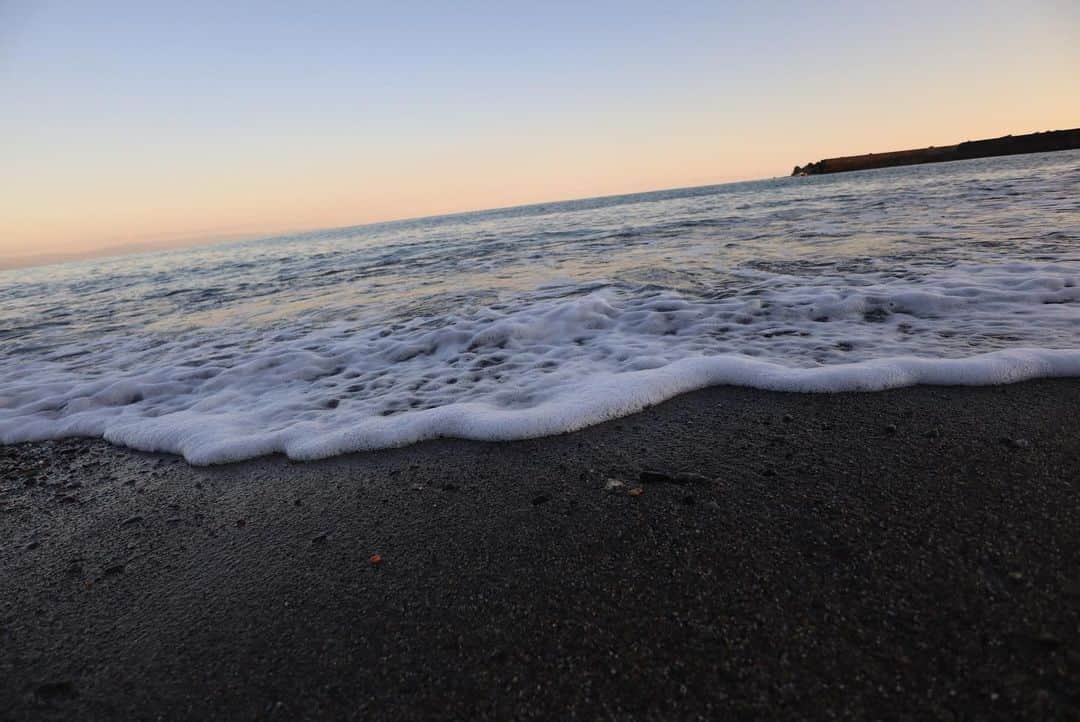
<point>141,248</point>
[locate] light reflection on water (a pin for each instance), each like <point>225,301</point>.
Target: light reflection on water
<point>539,320</point>
<point>696,241</point>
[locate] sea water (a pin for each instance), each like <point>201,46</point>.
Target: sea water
<point>543,319</point>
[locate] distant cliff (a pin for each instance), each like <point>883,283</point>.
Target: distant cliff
<point>1006,145</point>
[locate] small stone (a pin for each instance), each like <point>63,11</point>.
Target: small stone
<point>449,487</point>
<point>52,691</point>
<point>319,538</point>
<point>890,429</point>
<point>31,545</point>
<point>1017,443</point>
<point>1047,639</point>
<point>114,570</point>
<point>298,502</point>
<point>131,520</point>
<point>241,523</point>
<point>787,418</point>
<point>653,476</point>
<point>538,500</point>
<point>1071,587</point>
<point>612,484</point>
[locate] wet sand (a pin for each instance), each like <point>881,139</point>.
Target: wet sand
<point>911,554</point>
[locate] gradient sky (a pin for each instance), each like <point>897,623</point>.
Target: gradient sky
<point>142,121</point>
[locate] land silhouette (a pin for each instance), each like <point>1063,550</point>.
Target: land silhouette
<point>1051,140</point>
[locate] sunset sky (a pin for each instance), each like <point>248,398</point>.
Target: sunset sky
<point>176,122</point>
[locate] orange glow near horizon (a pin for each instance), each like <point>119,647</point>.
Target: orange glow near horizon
<point>89,171</point>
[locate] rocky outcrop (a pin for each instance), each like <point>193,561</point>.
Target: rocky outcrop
<point>1006,145</point>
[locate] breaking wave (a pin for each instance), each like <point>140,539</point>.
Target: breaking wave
<point>344,344</point>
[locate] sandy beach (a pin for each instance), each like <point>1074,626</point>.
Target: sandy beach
<point>492,362</point>
<point>909,554</point>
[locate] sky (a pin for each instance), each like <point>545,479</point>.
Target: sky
<point>128,123</point>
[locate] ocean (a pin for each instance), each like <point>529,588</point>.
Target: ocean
<point>543,319</point>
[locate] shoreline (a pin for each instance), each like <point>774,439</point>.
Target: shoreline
<point>911,552</point>
<point>204,442</point>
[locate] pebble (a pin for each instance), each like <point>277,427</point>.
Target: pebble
<point>131,520</point>
<point>51,691</point>
<point>612,484</point>
<point>890,429</point>
<point>319,538</point>
<point>538,500</point>
<point>679,477</point>
<point>1017,443</point>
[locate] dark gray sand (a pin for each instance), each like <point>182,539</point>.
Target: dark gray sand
<point>912,554</point>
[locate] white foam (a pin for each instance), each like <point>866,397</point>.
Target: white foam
<point>535,366</point>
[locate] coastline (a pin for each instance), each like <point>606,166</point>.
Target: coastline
<point>1050,141</point>
<point>911,552</point>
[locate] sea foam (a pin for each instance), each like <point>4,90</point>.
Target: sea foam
<point>537,321</point>
<point>541,367</point>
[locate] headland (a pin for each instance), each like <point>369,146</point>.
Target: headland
<point>1051,140</point>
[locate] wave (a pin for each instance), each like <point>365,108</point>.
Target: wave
<point>205,437</point>
<point>540,366</point>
